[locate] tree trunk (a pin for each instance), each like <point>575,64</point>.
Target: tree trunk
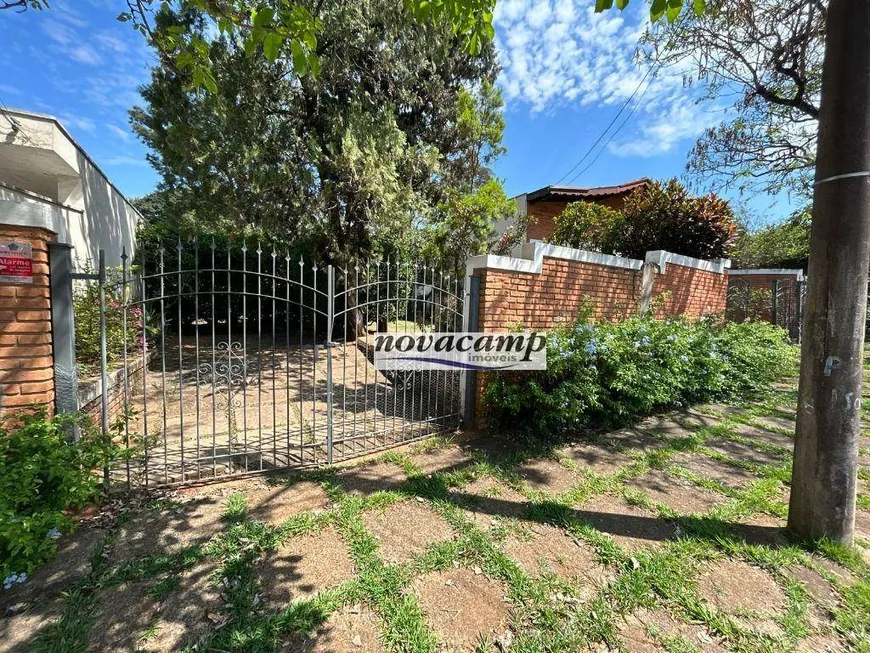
<point>829,405</point>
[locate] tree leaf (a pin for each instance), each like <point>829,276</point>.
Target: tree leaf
<point>621,4</point>
<point>263,17</point>
<point>674,9</point>
<point>272,43</point>
<point>300,61</point>
<point>208,80</point>
<point>657,9</point>
<point>603,5</point>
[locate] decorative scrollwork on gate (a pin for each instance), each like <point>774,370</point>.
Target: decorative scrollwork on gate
<point>230,370</point>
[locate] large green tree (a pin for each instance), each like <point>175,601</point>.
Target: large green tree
<point>782,245</point>
<point>398,114</point>
<point>274,27</point>
<point>764,57</point>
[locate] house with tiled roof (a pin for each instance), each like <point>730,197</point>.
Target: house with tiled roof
<point>546,203</point>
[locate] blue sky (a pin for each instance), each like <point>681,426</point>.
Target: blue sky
<point>566,73</point>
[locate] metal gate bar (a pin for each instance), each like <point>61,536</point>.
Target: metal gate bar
<point>194,341</point>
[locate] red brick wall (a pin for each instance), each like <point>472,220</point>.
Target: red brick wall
<point>545,212</point>
<point>26,354</point>
<point>558,294</point>
<point>762,281</point>
<point>690,291</point>
<point>550,299</point>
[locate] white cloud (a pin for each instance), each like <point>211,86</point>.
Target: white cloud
<point>659,134</point>
<point>58,32</point>
<point>85,54</point>
<point>123,160</point>
<point>538,14</point>
<point>77,123</point>
<point>123,134</point>
<point>565,54</point>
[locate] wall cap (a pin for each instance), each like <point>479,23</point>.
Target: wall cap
<point>780,272</point>
<point>661,258</point>
<point>532,260</point>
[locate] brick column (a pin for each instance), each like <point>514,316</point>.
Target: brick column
<point>26,355</point>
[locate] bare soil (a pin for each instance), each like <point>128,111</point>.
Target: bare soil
<point>595,458</point>
<point>543,548</point>
<point>630,526</point>
<point>634,439</point>
<point>821,644</point>
<point>714,470</point>
<point>352,629</point>
<point>487,500</point>
<point>762,529</point>
<point>740,451</point>
<point>462,607</point>
<point>734,586</point>
<point>445,459</point>
<point>643,631</point>
<point>404,530</point>
<point>305,566</point>
<point>368,479</point>
<point>547,475</point>
<point>188,614</point>
<point>816,586</point>
<point>18,630</point>
<point>675,492</point>
<point>124,612</point>
<point>168,531</point>
<point>277,503</point>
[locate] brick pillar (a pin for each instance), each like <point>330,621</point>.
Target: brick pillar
<point>26,355</point>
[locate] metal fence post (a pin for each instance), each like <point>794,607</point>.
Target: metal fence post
<point>773,303</point>
<point>799,309</point>
<point>63,330</point>
<point>104,372</point>
<point>330,315</point>
<point>473,310</point>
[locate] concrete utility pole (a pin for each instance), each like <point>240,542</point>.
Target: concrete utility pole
<point>829,405</point>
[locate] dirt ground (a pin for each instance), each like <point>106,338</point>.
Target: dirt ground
<point>201,411</point>
<point>664,537</point>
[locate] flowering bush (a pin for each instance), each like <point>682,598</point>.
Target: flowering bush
<point>608,373</point>
<point>42,475</point>
<point>86,304</point>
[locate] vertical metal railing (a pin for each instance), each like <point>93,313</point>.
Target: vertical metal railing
<point>188,389</point>
<point>104,359</point>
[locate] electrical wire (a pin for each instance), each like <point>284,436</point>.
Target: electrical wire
<point>625,104</point>
<point>615,132</point>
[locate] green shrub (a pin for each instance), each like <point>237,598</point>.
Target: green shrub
<point>665,216</point>
<point>86,305</point>
<point>587,225</point>
<point>609,373</point>
<point>42,475</point>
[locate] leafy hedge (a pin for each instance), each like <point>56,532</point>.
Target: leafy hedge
<point>42,475</point>
<point>609,373</point>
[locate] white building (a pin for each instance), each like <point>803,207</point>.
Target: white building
<point>47,180</point>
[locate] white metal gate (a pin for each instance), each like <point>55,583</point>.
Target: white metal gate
<point>237,360</point>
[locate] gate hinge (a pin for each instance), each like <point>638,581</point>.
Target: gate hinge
<point>329,344</point>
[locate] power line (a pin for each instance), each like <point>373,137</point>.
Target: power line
<point>12,122</point>
<point>615,118</point>
<point>615,132</point>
